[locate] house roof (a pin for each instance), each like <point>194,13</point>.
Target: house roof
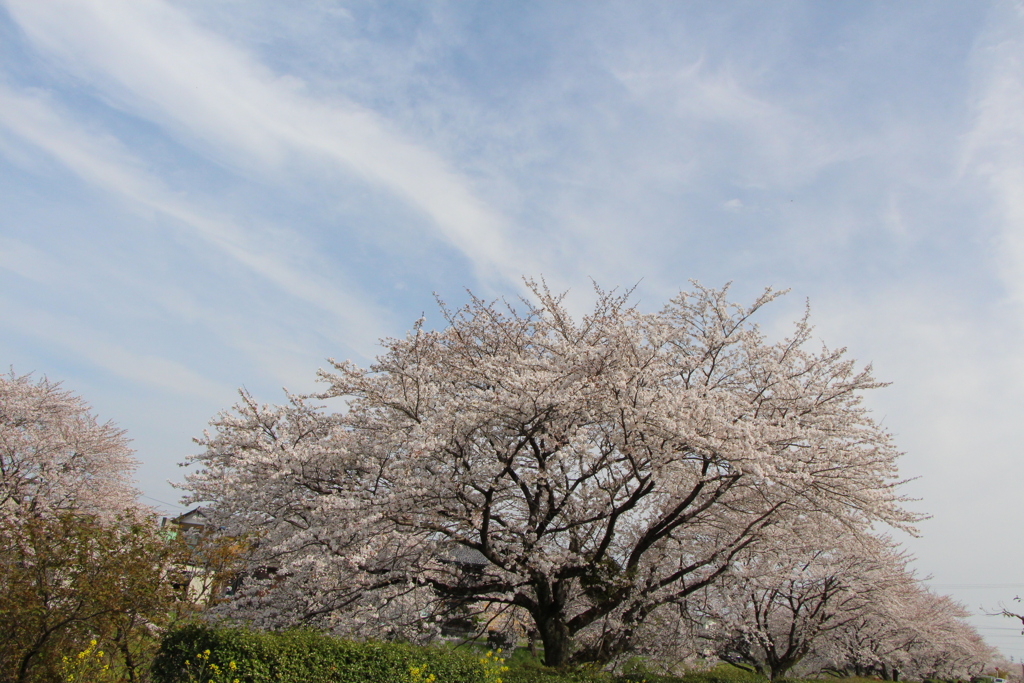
<point>192,518</point>
<point>460,554</point>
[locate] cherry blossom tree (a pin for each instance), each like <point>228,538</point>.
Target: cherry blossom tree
<point>778,604</point>
<point>55,456</point>
<point>599,468</point>
<point>283,477</point>
<point>907,631</point>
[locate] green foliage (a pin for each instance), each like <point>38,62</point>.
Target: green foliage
<point>91,665</point>
<point>634,671</point>
<point>493,665</point>
<point>546,675</point>
<point>206,654</point>
<point>304,657</point>
<point>75,583</point>
<point>725,673</point>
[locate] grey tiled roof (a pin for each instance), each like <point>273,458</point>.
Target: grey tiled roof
<point>194,517</point>
<point>460,554</point>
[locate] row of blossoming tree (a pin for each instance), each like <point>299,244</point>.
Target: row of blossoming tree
<point>665,484</point>
<point>671,484</point>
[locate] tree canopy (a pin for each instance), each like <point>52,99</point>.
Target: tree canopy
<point>602,468</point>
<point>55,456</point>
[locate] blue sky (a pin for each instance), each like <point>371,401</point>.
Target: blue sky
<point>199,196</point>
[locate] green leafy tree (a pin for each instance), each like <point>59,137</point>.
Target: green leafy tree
<point>69,579</point>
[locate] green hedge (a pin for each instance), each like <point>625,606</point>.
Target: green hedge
<point>634,673</point>
<point>203,654</point>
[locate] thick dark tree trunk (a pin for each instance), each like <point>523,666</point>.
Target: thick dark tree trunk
<point>557,642</point>
<point>778,667</point>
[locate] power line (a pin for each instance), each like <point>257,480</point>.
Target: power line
<point>975,585</point>
<point>163,502</point>
<point>999,628</point>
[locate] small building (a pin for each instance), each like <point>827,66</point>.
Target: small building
<point>196,578</point>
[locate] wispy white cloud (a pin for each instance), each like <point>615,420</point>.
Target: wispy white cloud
<point>26,260</point>
<point>100,160</point>
<point>781,147</point>
<point>150,59</point>
<point>993,150</point>
<point>86,342</point>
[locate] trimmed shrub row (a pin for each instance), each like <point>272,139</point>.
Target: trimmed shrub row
<point>720,674</point>
<point>206,654</point>
<point>203,654</point>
